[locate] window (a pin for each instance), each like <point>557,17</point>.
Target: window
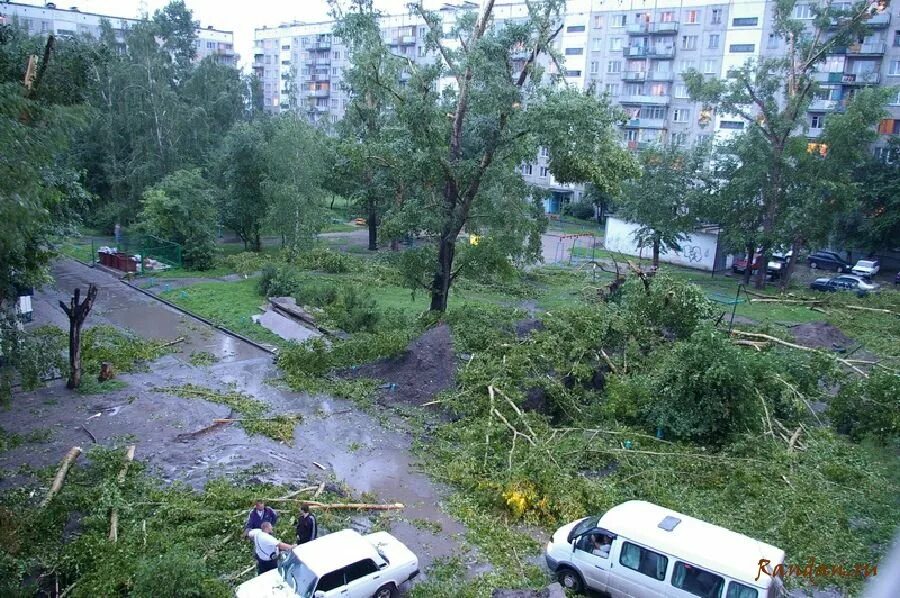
<point>713,41</point>
<point>526,168</point>
<point>772,41</point>
<point>595,67</point>
<point>335,70</point>
<point>659,89</point>
<point>681,115</point>
<point>693,16</point>
<point>331,581</point>
<point>544,152</point>
<point>895,68</point>
<point>739,590</point>
<point>334,103</point>
<point>686,65</point>
<point>615,44</point>
<point>688,42</point>
<point>741,48</point>
<point>667,16</point>
<point>630,135</point>
<point>619,20</point>
<point>897,38</point>
<point>597,44</point>
<point>895,101</point>
<point>889,126</point>
<point>802,11</point>
<point>544,172</point>
<point>696,580</point>
<point>615,66</point>
<point>637,558</point>
<point>360,569</point>
<point>598,21</point>
<point>574,51</point>
<point>573,73</point>
<point>681,91</point>
<point>710,67</point>
<point>575,29</point>
<point>655,112</point>
<point>716,17</point>
<point>287,47</point>
<point>612,89</point>
<point>745,22</point>
<point>679,138</point>
<point>731,124</point>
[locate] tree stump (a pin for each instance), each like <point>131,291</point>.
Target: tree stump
<point>77,311</point>
<point>106,372</point>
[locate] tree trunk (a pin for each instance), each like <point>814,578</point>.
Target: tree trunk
<point>788,269</point>
<point>395,245</point>
<point>748,270</point>
<point>656,253</point>
<point>77,311</point>
<point>760,279</point>
<point>771,198</point>
<point>372,221</point>
<point>440,288</point>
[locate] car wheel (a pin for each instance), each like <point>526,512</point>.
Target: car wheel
<point>385,591</point>
<point>570,580</point>
<point>813,265</point>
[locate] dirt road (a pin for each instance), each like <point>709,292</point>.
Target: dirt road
<point>352,445</point>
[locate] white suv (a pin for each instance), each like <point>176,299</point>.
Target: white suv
<point>344,564</point>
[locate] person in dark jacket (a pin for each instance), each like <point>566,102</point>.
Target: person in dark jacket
<point>307,529</point>
<point>260,514</point>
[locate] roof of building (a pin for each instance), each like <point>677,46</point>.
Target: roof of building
<point>336,550</point>
<point>76,11</point>
<point>697,542</point>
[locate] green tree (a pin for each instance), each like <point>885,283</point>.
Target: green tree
<point>241,168</point>
<point>462,144</point>
<point>772,96</point>
<point>662,197</point>
<point>292,184</point>
<point>182,208</point>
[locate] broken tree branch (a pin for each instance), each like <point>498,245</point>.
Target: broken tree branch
<point>120,479</point>
<point>61,474</point>
<point>312,504</point>
<point>778,341</point>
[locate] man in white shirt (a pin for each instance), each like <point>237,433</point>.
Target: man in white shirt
<point>266,547</point>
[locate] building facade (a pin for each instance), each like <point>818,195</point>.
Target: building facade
<point>48,19</point>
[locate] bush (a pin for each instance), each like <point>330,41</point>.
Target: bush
<point>670,305</point>
<point>278,280</point>
<point>583,209</point>
<point>353,310</point>
<point>868,407</point>
<point>246,262</point>
<point>177,573</point>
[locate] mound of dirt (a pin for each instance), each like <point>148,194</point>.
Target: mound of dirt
<point>821,335</point>
<point>427,367</point>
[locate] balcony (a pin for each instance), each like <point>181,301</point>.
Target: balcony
<point>322,43</point>
<point>660,76</point>
<point>656,52</point>
<point>864,78</point>
<point>646,123</point>
<point>403,40</point>
<point>814,133</point>
<point>880,20</point>
<point>636,76</point>
<point>644,99</point>
<point>661,28</point>
<point>823,105</point>
<point>870,49</point>
<point>318,93</point>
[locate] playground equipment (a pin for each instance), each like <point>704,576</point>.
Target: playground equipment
<point>575,248</point>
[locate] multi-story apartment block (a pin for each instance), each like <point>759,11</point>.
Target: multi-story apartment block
<point>48,19</point>
<point>635,52</point>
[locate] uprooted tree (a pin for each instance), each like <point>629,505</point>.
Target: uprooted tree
<point>77,311</point>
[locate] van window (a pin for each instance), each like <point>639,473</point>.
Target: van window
<point>360,569</point>
<point>652,564</point>
<point>697,581</point>
<point>739,590</point>
<point>330,581</point>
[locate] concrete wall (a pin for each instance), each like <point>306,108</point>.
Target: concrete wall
<point>698,251</point>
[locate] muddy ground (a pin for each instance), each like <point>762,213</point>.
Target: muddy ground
<point>355,448</point>
<point>416,376</point>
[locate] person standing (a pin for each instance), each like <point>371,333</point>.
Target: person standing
<point>307,528</point>
<point>266,547</point>
<point>258,515</point>
<point>117,231</point>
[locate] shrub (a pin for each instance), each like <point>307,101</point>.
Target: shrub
<point>671,305</point>
<point>178,572</point>
<point>246,262</point>
<point>579,209</point>
<point>868,407</point>
<point>353,310</point>
<point>278,280</point>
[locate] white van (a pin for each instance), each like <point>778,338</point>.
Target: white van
<point>641,550</point>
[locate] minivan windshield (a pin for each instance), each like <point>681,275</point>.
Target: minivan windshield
<point>583,526</point>
<point>298,577</point>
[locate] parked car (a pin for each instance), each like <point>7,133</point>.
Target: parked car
<point>827,260</point>
<point>778,263</point>
<point>739,266</point>
<point>867,268</point>
<point>845,282</point>
<point>345,564</point>
<point>638,549</point>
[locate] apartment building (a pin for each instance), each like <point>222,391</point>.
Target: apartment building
<point>48,19</point>
<point>633,51</point>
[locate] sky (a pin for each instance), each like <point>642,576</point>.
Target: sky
<point>240,16</point>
